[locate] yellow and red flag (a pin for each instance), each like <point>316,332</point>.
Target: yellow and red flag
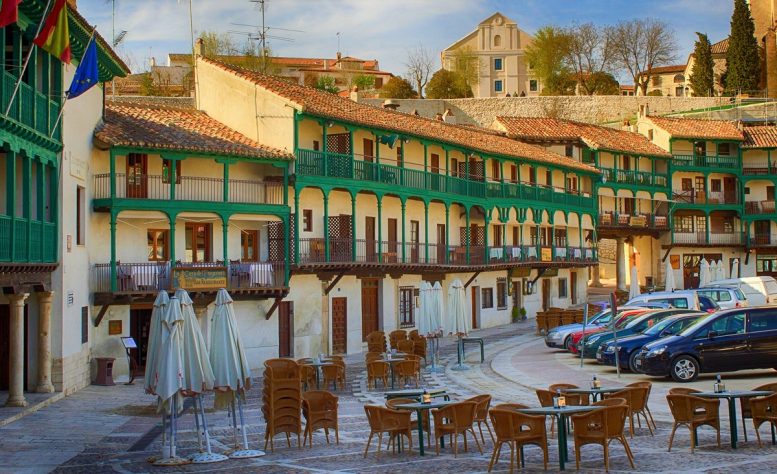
<point>9,12</point>
<point>54,37</point>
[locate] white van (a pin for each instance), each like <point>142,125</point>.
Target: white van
<point>758,290</point>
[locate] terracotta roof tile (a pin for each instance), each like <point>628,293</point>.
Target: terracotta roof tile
<point>762,136</point>
<point>594,136</point>
<point>721,47</point>
<point>179,129</point>
<point>324,104</point>
<point>666,69</point>
<point>697,128</point>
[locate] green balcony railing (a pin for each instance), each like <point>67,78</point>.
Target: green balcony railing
<point>706,161</point>
<point>633,177</point>
<point>336,165</point>
<point>24,241</point>
<point>30,108</point>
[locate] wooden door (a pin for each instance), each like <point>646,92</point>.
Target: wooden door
<point>573,286</point>
<point>435,169</point>
<point>391,256</point>
<point>517,286</point>
<point>369,238</point>
<point>340,235</point>
<point>369,307</point>
<point>475,306</point>
<point>415,229</point>
<point>286,329</point>
<point>729,190</point>
<point>198,242</point>
<point>137,175</point>
<point>339,325</point>
<point>140,325</point>
<point>441,248</point>
<point>545,294</point>
<point>368,150</point>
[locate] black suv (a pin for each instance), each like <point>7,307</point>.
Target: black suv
<point>735,339</point>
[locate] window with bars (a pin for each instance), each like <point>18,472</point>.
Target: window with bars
<point>487,296</point>
<point>501,293</point>
<point>562,287</point>
<point>683,224</point>
<point>406,306</point>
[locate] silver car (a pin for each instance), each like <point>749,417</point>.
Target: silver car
<point>559,337</point>
<point>727,297</point>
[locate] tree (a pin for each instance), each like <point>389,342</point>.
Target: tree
<point>147,86</point>
<point>218,44</point>
<point>640,45</point>
<point>446,84</point>
<point>742,59</point>
<point>327,84</point>
<point>548,55</point>
<point>467,65</point>
<point>702,76</point>
<point>419,67</point>
<point>591,56</point>
<point>398,88</point>
<point>601,83</point>
<point>363,81</point>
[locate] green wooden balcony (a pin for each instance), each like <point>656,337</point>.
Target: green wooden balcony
<point>728,163</point>
<point>344,166</point>
<point>713,238</point>
<point>27,241</point>
<point>31,109</point>
<point>635,178</point>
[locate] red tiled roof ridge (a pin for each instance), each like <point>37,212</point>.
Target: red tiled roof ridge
<point>666,69</point>
<point>698,128</point>
<point>760,136</point>
<point>333,106</point>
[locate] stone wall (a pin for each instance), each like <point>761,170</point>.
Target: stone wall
<point>592,109</point>
<point>72,373</point>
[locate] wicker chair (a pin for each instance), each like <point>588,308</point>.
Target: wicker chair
<point>575,399</point>
<point>376,342</point>
<point>545,398</point>
<point>517,429</point>
<point>454,420</point>
<point>682,391</point>
<point>419,347</point>
<point>764,410</point>
<point>636,399</point>
<point>649,387</point>
<point>483,402</point>
<point>413,335</point>
<point>610,402</point>
<point>396,336</point>
<point>744,403</point>
<point>406,345</point>
<point>377,370</point>
<point>692,412</point>
<point>407,369</point>
<point>371,356</point>
<point>427,426</point>
<point>335,374</point>
<point>308,374</point>
<point>601,426</point>
<point>319,408</point>
<point>509,406</point>
<point>385,420</point>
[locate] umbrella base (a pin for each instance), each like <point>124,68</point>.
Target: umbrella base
<point>460,367</point>
<point>246,453</point>
<point>174,461</point>
<point>205,458</point>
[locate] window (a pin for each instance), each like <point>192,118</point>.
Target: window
<point>487,295</point>
<point>533,85</point>
<point>307,220</point>
<point>454,167</point>
<point>498,43</point>
<point>80,215</point>
<point>158,241</point>
<point>770,193</point>
<point>501,293</point>
<point>533,235</point>
<point>715,185</point>
<point>569,150</point>
<point>378,82</point>
<point>725,325</point>
<point>400,156</point>
<point>683,224</point>
<point>560,237</point>
<point>406,306</point>
<point>747,190</point>
<point>84,324</point>
<point>495,168</point>
<point>497,235</point>
<point>650,134</point>
<point>515,235</point>
<point>572,184</point>
<point>167,167</point>
<point>765,320</point>
<point>686,184</point>
<point>498,85</point>
<point>497,64</point>
<point>249,244</point>
<point>198,242</point>
<point>562,287</point>
<point>549,178</point>
<point>724,149</point>
<point>513,174</point>
<point>532,176</point>
<point>316,145</point>
<point>766,264</point>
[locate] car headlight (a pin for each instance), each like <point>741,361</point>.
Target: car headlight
<point>609,349</point>
<point>657,351</point>
<point>593,339</point>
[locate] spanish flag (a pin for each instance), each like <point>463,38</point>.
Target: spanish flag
<point>9,12</point>
<point>54,37</point>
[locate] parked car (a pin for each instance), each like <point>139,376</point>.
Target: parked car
<point>629,347</point>
<point>683,299</point>
<point>623,319</point>
<point>707,304</point>
<point>633,326</point>
<point>730,340</point>
<point>725,297</point>
<point>759,291</point>
<point>561,336</point>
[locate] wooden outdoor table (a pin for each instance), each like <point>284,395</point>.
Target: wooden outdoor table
<point>419,408</point>
<point>561,417</point>
<point>731,396</point>
<point>593,393</point>
<point>394,359</point>
<point>317,366</point>
<point>417,393</point>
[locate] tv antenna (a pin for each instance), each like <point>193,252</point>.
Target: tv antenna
<point>264,33</point>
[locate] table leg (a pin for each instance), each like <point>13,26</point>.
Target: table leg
<point>391,369</point>
<point>420,432</point>
<point>562,440</point>
<point>318,379</point>
<point>732,415</point>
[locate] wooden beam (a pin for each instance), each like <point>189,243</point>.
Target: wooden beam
<point>469,282</point>
<point>101,314</point>
<point>669,249</point>
<point>540,272</point>
<point>747,256</point>
<point>272,308</point>
<point>334,283</point>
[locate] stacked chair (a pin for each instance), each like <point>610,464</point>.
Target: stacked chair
<point>396,336</point>
<point>282,400</point>
<point>376,342</point>
<point>554,317</point>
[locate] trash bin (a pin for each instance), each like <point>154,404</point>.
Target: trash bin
<point>104,371</point>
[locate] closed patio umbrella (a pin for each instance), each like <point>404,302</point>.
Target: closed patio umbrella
<point>457,323</point>
<point>704,272</point>
<point>713,270</point>
<point>232,375</point>
<point>425,325</point>
<point>155,340</point>
<point>721,270</point>
<point>634,285</point>
<point>735,268</point>
<point>438,306</point>
<point>669,277</point>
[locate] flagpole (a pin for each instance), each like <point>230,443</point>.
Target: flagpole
<point>67,94</point>
<point>27,59</point>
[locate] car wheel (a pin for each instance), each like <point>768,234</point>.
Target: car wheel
<point>568,343</point>
<point>684,369</point>
<point>633,362</point>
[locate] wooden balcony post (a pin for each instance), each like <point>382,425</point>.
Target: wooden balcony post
<point>447,233</point>
<point>113,251</point>
<point>403,203</point>
<point>171,218</point>
<point>326,224</point>
<point>379,199</point>
<point>426,231</point>
<point>324,147</point>
<point>225,239</point>
<point>296,224</point>
<point>226,181</point>
<point>113,173</point>
<point>173,176</point>
<point>353,224</point>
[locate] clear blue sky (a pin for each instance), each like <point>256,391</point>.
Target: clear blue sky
<point>380,29</point>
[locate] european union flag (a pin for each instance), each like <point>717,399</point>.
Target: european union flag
<point>87,74</point>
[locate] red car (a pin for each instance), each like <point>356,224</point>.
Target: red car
<point>622,317</point>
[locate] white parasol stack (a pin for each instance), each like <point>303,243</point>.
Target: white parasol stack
<point>735,268</point>
<point>634,284</point>
<point>425,325</point>
<point>704,272</point>
<point>713,271</point>
<point>457,323</point>
<point>155,340</point>
<point>721,270</point>
<point>232,375</point>
<point>669,284</point>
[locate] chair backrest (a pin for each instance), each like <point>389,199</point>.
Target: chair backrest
<point>609,402</point>
<point>561,386</point>
<point>413,334</point>
<point>482,402</point>
<point>319,401</point>
<point>278,369</point>
<point>371,356</point>
<point>545,397</point>
<point>377,368</point>
<point>463,414</point>
<point>682,391</point>
<point>639,397</point>
<point>405,345</point>
<point>510,406</point>
<point>503,422</point>
<point>398,401</point>
<point>764,407</point>
<point>626,393</point>
<point>384,419</point>
<point>683,407</point>
<point>615,420</point>
<point>769,387</point>
<point>406,367</point>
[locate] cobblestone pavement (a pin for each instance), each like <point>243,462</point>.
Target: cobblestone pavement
<point>115,429</point>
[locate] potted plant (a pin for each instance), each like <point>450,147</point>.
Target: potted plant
<point>523,314</point>
<point>516,314</point>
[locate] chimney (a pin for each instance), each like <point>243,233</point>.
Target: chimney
<point>339,56</point>
<point>198,47</point>
<point>390,104</point>
<point>355,95</point>
<point>326,64</point>
<point>448,116</point>
<point>438,116</point>
<point>152,61</point>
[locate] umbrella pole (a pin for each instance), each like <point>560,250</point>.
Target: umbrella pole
<point>208,456</point>
<point>460,350</point>
<point>173,421</point>
<point>197,424</point>
<point>234,421</point>
<point>242,422</point>
<point>245,452</point>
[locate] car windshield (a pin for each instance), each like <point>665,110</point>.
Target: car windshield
<point>657,328</point>
<point>740,295</point>
<point>626,320</point>
<point>600,317</point>
<point>699,322</point>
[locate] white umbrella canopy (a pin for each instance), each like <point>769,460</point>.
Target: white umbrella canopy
<point>438,306</point>
<point>155,340</point>
<point>669,284</point>
<point>227,358</point>
<point>721,270</point>
<point>169,366</point>
<point>425,325</point>
<point>198,374</point>
<point>704,272</point>
<point>457,309</point>
<point>634,286</point>
<point>735,268</point>
<point>713,271</point>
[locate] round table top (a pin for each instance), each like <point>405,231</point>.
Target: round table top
<point>557,411</point>
<point>424,406</point>
<point>413,392</point>
<point>592,390</point>
<point>318,364</point>
<point>733,394</point>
